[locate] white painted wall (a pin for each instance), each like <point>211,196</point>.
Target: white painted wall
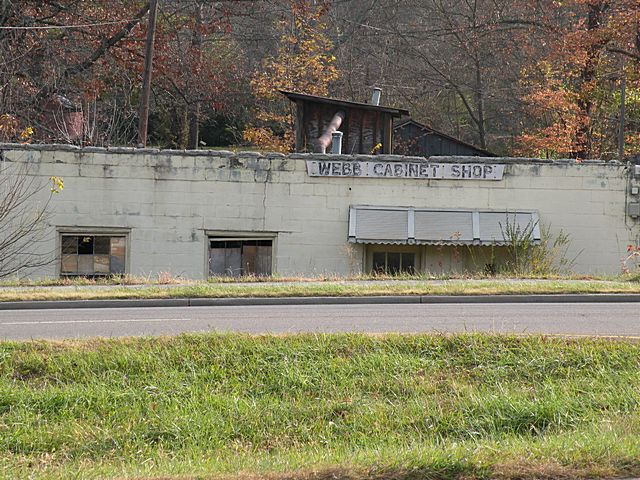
<point>170,200</point>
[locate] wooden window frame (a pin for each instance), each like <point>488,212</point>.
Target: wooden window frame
<point>217,235</point>
<point>92,232</point>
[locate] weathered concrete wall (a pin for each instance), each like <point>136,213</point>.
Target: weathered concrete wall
<point>170,200</point>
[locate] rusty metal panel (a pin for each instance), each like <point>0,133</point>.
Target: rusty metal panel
<point>299,126</point>
<point>368,132</point>
<point>249,259</point>
<point>263,263</point>
<point>387,129</point>
<point>362,129</point>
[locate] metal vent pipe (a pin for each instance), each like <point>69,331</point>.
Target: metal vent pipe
<point>336,143</point>
<point>375,96</point>
<point>326,138</point>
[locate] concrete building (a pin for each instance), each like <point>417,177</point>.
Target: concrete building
<point>201,213</point>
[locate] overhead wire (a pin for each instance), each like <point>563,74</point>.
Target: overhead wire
<point>57,27</point>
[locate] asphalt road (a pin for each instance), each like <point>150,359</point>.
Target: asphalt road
<point>607,319</point>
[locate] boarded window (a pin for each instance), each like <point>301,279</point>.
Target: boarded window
<point>92,255</point>
<point>237,257</point>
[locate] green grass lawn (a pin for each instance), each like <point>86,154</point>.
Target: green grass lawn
<point>320,289</point>
<point>320,406</point>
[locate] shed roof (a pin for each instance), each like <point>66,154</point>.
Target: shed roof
<point>427,128</point>
<point>293,96</point>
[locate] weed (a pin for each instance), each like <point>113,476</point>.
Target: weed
<point>529,256</point>
<point>633,254</point>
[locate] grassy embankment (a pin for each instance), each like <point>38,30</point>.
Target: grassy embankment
<point>84,290</point>
<point>401,407</point>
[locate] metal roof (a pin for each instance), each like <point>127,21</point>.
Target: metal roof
<point>427,128</point>
<point>293,96</point>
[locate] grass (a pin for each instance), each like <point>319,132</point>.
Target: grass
<point>320,406</point>
<point>222,289</point>
<point>166,278</point>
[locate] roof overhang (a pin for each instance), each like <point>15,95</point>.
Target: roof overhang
<point>295,97</point>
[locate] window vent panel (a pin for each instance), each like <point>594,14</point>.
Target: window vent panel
<point>443,226</point>
<point>382,224</point>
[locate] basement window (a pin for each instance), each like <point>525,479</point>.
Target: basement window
<point>93,255</point>
<point>394,263</point>
<point>235,257</point>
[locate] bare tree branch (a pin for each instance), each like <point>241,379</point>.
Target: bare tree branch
<point>107,44</point>
<point>635,56</point>
<point>23,219</point>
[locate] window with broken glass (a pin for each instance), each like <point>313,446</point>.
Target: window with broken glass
<point>237,257</point>
<point>93,255</point>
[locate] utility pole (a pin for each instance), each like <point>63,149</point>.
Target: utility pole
<point>194,105</point>
<point>623,88</point>
<point>143,113</point>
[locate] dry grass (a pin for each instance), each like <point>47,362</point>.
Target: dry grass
<point>167,278</point>
<point>318,289</point>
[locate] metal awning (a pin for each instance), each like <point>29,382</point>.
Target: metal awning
<point>425,226</point>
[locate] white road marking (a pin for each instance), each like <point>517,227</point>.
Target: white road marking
<point>131,320</point>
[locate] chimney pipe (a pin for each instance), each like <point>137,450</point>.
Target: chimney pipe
<point>375,96</point>
<point>325,140</point>
<point>336,143</point>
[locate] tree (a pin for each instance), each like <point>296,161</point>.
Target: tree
<point>24,202</point>
<point>573,93</point>
<point>454,64</point>
<point>303,63</point>
<point>193,68</point>
<point>72,70</point>
<point>60,57</point>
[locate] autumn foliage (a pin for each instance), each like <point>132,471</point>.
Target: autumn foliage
<point>574,92</point>
<point>537,78</point>
<point>302,64</point>
<point>83,61</point>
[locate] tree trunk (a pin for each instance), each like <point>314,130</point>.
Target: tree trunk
<point>194,125</point>
<point>595,19</point>
<point>480,106</point>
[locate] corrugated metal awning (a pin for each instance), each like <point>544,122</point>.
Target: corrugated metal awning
<point>423,226</point>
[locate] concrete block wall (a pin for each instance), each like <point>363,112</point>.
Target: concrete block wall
<point>170,200</point>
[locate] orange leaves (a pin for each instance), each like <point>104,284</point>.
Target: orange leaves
<point>574,92</point>
<point>303,63</point>
<point>11,131</point>
<point>266,139</point>
<point>557,140</point>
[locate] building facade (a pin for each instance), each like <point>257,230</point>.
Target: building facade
<point>201,213</point>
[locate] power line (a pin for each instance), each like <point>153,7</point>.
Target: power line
<point>55,27</point>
